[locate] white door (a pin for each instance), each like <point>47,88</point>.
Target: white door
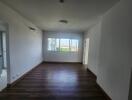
<point>86,51</point>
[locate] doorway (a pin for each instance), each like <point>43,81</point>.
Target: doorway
<point>86,51</point>
<point>3,60</point>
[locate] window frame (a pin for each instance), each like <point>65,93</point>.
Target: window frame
<point>70,44</point>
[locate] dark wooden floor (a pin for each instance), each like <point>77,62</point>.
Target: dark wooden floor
<point>52,81</point>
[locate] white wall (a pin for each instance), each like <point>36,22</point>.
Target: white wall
<point>111,50</point>
<point>2,26</point>
<point>59,56</point>
<point>25,46</point>
<point>94,36</point>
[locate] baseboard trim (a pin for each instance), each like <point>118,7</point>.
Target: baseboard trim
<point>12,84</point>
<point>62,62</point>
<point>105,94</point>
<point>92,73</point>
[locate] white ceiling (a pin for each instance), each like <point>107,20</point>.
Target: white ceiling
<point>46,14</point>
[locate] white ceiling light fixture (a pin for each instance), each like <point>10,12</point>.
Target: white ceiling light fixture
<point>63,21</point>
<point>62,1</point>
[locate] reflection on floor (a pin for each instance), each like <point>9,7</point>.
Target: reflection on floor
<point>51,81</point>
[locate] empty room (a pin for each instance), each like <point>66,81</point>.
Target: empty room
<point>65,50</point>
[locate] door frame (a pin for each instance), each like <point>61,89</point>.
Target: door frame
<point>5,30</point>
<point>86,51</point>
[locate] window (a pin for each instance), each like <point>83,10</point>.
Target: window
<point>53,44</point>
<point>63,45</point>
<point>74,45</point>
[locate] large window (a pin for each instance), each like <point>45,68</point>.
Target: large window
<point>63,45</point>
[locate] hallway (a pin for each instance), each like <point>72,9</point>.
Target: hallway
<point>55,81</point>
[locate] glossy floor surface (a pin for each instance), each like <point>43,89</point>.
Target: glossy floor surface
<point>51,81</point>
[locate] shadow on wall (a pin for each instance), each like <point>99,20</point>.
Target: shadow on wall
<point>130,91</point>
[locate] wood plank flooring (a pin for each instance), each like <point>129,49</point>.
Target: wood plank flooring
<point>52,81</point>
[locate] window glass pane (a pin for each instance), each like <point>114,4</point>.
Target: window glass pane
<point>57,45</point>
<point>53,44</point>
<point>74,45</point>
<point>49,43</point>
<point>64,45</point>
